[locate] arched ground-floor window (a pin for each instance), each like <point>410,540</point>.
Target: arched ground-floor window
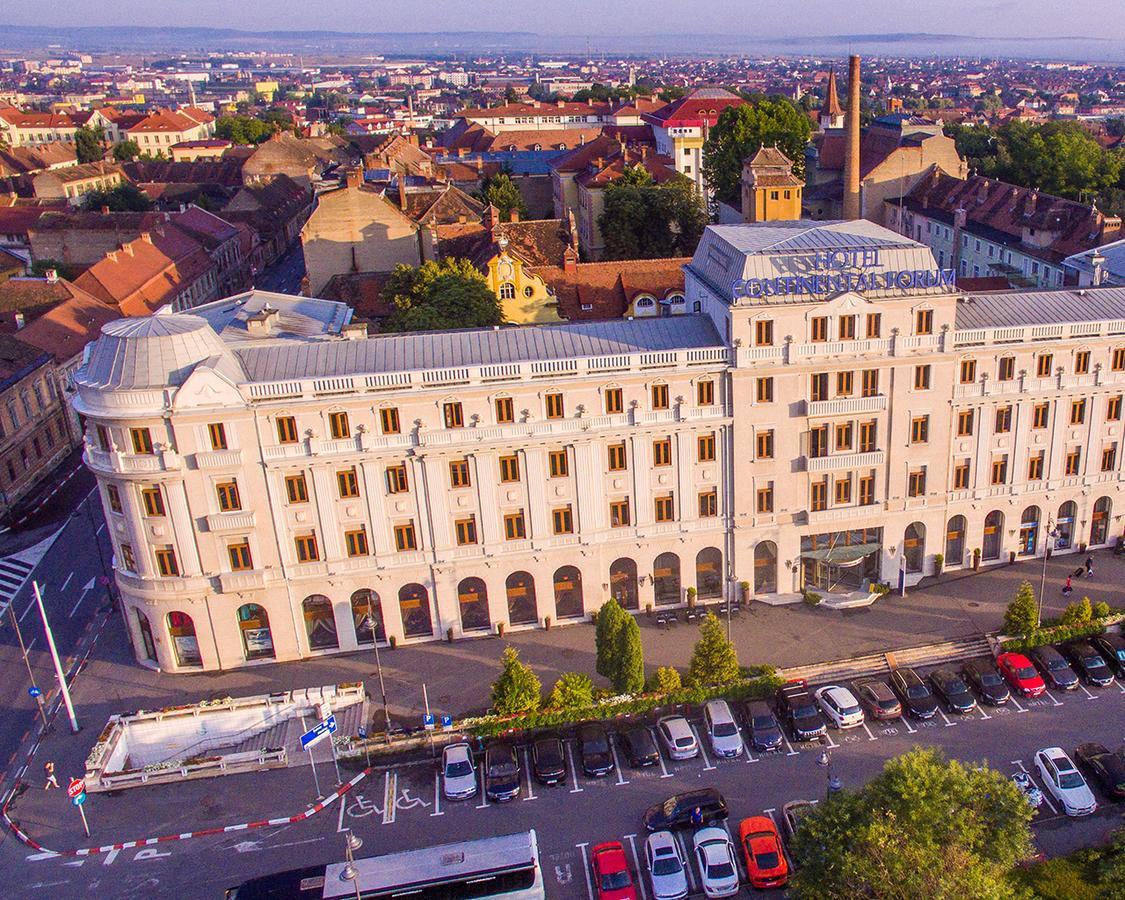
<point>520,590</point>
<point>320,622</point>
<point>993,535</point>
<point>709,573</point>
<point>765,567</point>
<point>472,598</point>
<point>181,629</point>
<point>914,547</point>
<point>367,616</point>
<point>257,639</point>
<point>623,583</point>
<point>568,592</point>
<point>955,541</point>
<point>666,579</point>
<point>1099,522</point>
<point>414,607</point>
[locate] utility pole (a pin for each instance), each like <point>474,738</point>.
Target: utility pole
<point>55,658</point>
<point>31,675</point>
<point>379,666</point>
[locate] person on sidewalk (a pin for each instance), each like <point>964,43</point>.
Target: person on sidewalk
<point>49,774</point>
<point>1089,567</point>
<point>1067,588</point>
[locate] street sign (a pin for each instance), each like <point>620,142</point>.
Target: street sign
<point>362,731</point>
<point>447,723</point>
<point>318,732</point>
<point>77,786</point>
<point>428,721</point>
<point>34,691</point>
<point>79,799</point>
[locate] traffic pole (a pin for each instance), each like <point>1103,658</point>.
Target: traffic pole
<point>55,657</point>
<point>82,813</point>
<point>316,780</point>
<point>426,700</point>
<point>31,675</point>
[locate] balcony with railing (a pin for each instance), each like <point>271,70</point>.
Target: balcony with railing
<point>118,463</point>
<point>846,406</point>
<point>837,461</point>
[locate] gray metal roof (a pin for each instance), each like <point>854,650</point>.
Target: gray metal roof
<point>1114,254</point>
<point>448,349</point>
<point>805,235</point>
<point>298,317</point>
<point>1001,310</point>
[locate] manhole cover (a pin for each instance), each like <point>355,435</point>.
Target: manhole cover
<point>973,604</point>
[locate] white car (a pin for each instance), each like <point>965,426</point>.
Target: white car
<point>840,706</point>
<point>1027,787</point>
<point>715,854</point>
<point>458,773</point>
<point>1064,782</point>
<point>726,739</point>
<point>667,868</point>
<point>677,737</point>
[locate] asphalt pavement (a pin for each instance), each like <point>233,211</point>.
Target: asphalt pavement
<point>284,276</point>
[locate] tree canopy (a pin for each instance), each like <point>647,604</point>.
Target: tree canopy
<point>608,623</point>
<point>88,144</point>
<point>924,827</point>
<point>499,190</point>
<point>451,293</point>
<point>123,151</point>
<point>1022,614</point>
<point>742,130</point>
<point>714,660</point>
<point>649,221</point>
<point>125,197</point>
<point>244,129</point>
<point>517,690</point>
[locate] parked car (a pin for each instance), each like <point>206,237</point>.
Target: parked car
<point>1088,663</point>
<point>501,772</point>
<point>762,726</point>
<point>548,761</point>
<point>1027,787</point>
<point>640,747</point>
<point>726,739</point>
<point>986,681</point>
<point>766,865</point>
<point>458,772</point>
<point>1053,666</point>
<point>952,688</point>
<point>876,696</point>
<point>1020,674</point>
<point>667,868</point>
<point>798,709</point>
<point>915,694</point>
<point>1107,769</point>
<point>594,750</point>
<point>1064,782</point>
<point>675,812</point>
<point>718,872</point>
<point>1112,647</point>
<point>612,877</point>
<point>839,706</point>
<point>678,738</point>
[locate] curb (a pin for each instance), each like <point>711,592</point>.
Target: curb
<point>204,832</point>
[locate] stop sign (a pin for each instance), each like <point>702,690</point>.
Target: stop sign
<point>77,786</point>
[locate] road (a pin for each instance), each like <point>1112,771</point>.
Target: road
<point>284,276</point>
<point>572,817</point>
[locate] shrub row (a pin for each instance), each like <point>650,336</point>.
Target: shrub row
<point>1056,634</point>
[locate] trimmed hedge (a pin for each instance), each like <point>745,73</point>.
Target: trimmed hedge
<point>1055,634</point>
<point>755,688</point>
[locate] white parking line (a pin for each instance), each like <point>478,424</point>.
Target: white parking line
<point>984,715</point>
<point>785,738</point>
<point>831,743</point>
<point>1120,686</point>
<point>1086,691</point>
<point>437,795</point>
<point>1016,704</point>
<point>870,736</point>
<point>1055,701</point>
<point>660,756</point>
<point>621,779</point>
<point>390,797</point>
<point>948,724</point>
<point>1046,798</point>
<point>530,781</point>
<point>586,870</point>
<point>707,764</point>
<point>739,864</point>
<point>573,773</point>
<point>750,757</point>
<point>632,839</point>
<point>905,721</point>
<point>689,860</point>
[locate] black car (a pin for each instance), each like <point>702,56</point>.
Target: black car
<point>797,708</point>
<point>914,693</point>
<point>593,747</point>
<point>676,811</point>
<point>951,687</point>
<point>640,747</point>
<point>1088,663</point>
<point>501,772</point>
<point>986,681</point>
<point>1112,647</point>
<point>548,761</point>
<point>1053,667</point>
<point>762,726</point>
<point>1104,767</point>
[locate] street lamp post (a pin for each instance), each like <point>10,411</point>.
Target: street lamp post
<point>352,842</point>
<point>1051,532</point>
<point>834,784</point>
<point>379,669</point>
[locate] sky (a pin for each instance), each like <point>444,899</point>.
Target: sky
<point>760,18</point>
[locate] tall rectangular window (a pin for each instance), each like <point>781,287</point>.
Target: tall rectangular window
<point>338,426</point>
<point>153,501</point>
<point>1006,370</point>
<point>466,531</point>
<point>356,542</point>
<point>662,452</point>
<point>818,495</point>
<point>845,383</point>
<point>844,434</point>
<point>142,440</point>
<point>1040,414</point>
<point>404,536</point>
<point>101,433</point>
<point>459,473</point>
<point>1043,365</point>
<point>705,393</point>
<point>868,436</point>
<point>867,490</point>
<point>965,422</point>
<point>924,321</point>
<point>1003,419</point>
<point>874,325</point>
<point>763,333</point>
<point>166,563</point>
<point>1035,467</point>
<point>128,558</point>
<point>509,468</point>
<point>1077,412</point>
<point>229,499</point>
<point>558,463</point>
<point>707,448</point>
<point>1073,460</point>
<point>217,431</point>
<point>660,396</point>
<point>961,475</point>
<point>764,444</point>
<point>1113,409</point>
<point>818,441</point>
<point>818,386</point>
<point>845,326</point>
<point>1109,457</point>
<point>764,499</point>
<point>1117,362</point>
<point>113,496</point>
<point>619,513</point>
<point>920,430</point>
<point>1082,362</point>
<point>616,455</point>
<point>614,401</point>
<point>968,371</point>
<point>916,483</point>
<point>562,520</point>
<point>286,430</point>
<point>396,479</point>
<point>843,489</point>
<point>307,549</point>
<point>665,509</point>
<point>296,488</point>
<point>388,420</point>
<point>239,556</point>
<point>554,405</point>
<point>1000,470</point>
<point>818,329</point>
<point>514,528</point>
<point>453,415</point>
<point>708,504</point>
<point>505,411</point>
<point>921,378</point>
<point>764,390</point>
<point>347,483</point>
<point>870,383</point>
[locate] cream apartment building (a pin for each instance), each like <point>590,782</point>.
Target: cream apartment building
<point>831,412</point>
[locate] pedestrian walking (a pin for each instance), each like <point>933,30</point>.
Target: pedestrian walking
<point>1089,567</point>
<point>1067,588</point>
<point>49,774</point>
<point>697,818</point>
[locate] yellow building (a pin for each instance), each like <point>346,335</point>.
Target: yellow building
<point>770,190</point>
<point>524,296</point>
<point>266,90</point>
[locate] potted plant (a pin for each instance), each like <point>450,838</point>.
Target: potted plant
<point>449,634</point>
<point>976,558</point>
<point>691,595</point>
<point>939,562</point>
<point>745,585</point>
<point>547,622</point>
<point>393,641</point>
<point>499,629</point>
<point>1011,557</point>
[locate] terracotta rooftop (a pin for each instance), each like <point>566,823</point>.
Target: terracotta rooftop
<point>608,288</point>
<point>64,328</point>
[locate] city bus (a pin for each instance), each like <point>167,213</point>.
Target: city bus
<point>504,867</point>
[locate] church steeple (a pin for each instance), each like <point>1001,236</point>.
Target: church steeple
<point>831,113</point>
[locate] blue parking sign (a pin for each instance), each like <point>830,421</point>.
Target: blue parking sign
<point>428,721</point>
<point>447,723</point>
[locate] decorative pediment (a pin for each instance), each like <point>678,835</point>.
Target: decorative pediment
<point>207,388</point>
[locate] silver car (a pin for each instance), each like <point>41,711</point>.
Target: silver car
<point>667,868</point>
<point>715,854</point>
<point>458,773</point>
<point>726,740</point>
<point>678,738</point>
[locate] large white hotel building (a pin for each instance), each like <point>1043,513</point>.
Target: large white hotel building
<point>830,413</point>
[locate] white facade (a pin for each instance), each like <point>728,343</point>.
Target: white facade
<point>519,477</point>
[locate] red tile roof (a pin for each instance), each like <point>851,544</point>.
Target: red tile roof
<point>608,288</point>
<point>74,319</point>
<point>703,105</point>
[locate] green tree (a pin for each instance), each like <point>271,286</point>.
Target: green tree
<point>649,221</point>
<point>714,660</point>
<point>608,624</point>
<point>664,680</point>
<point>1080,612</point>
<point>629,673</point>
<point>1022,614</point>
<point>636,175</point>
<point>451,293</point>
<point>741,131</point>
<point>573,690</point>
<point>502,192</point>
<point>124,151</point>
<point>40,267</point>
<point>243,129</point>
<point>125,197</point>
<point>924,827</point>
<point>88,145</point>
<point>511,95</point>
<point>517,690</point>
<point>1101,609</point>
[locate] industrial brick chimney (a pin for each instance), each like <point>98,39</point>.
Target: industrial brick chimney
<point>851,151</point>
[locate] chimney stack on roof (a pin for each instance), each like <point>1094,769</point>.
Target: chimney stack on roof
<point>354,177</point>
<point>851,153</point>
<point>402,192</point>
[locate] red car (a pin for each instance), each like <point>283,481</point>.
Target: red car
<point>612,877</point>
<point>1020,674</point>
<point>761,845</point>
